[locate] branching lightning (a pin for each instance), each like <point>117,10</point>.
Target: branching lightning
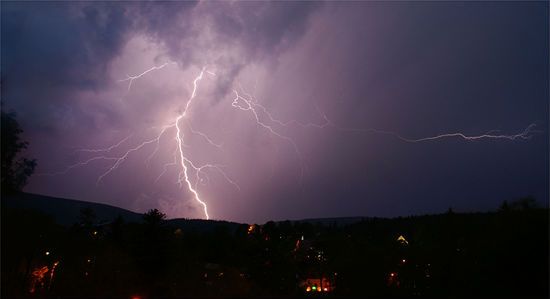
<point>184,176</point>
<point>252,103</point>
<point>191,174</point>
<point>183,160</point>
<point>248,103</point>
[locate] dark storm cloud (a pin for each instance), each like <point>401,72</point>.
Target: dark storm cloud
<point>230,35</point>
<point>265,27</point>
<point>50,51</point>
<point>61,48</point>
<point>259,27</point>
<point>60,44</point>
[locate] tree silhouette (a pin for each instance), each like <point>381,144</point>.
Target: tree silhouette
<point>154,217</point>
<point>15,169</point>
<point>524,203</point>
<point>504,207</point>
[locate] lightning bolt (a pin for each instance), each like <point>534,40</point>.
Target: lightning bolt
<point>180,159</point>
<point>252,103</point>
<point>183,160</point>
<point>191,174</point>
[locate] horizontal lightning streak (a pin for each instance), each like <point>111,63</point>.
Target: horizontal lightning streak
<point>526,134</point>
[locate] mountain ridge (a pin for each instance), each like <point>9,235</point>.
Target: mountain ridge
<point>66,211</point>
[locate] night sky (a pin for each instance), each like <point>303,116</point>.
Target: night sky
<point>337,88</point>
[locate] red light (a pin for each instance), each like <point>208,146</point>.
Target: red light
<point>392,274</point>
<point>136,297</point>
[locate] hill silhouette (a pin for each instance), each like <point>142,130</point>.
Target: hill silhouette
<point>66,211</point>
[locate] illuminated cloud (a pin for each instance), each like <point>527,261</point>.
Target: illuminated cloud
<point>417,70</point>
